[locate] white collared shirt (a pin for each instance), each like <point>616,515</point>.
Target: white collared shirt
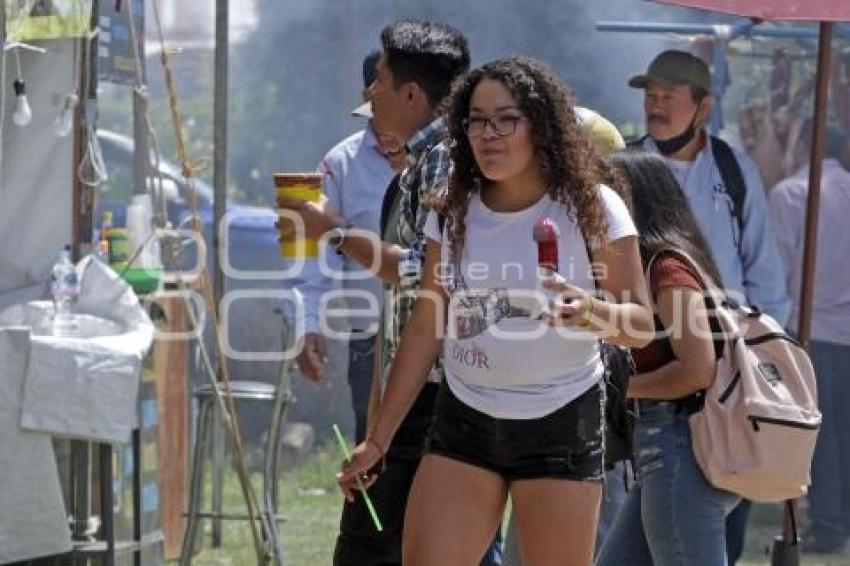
<point>831,312</point>
<point>355,176</point>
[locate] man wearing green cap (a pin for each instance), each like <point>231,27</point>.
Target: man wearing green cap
<point>677,102</point>
<point>677,105</point>
<point>725,193</point>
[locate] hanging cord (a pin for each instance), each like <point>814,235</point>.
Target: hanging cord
<point>189,170</point>
<point>2,110</point>
<point>224,398</point>
<point>140,89</point>
<point>18,63</point>
<point>92,160</point>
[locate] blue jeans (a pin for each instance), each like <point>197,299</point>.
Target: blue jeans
<point>672,516</point>
<point>829,496</point>
<point>614,493</point>
<point>361,361</point>
<point>736,531</point>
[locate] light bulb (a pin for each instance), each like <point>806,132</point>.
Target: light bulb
<point>65,120</point>
<point>22,114</point>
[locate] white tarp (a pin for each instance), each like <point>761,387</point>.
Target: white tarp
<point>33,521</point>
<point>85,387</point>
<point>36,171</point>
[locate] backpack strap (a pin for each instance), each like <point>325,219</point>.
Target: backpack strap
<point>714,292</point>
<point>390,197</point>
<point>733,179</point>
<point>636,144</point>
<point>730,172</point>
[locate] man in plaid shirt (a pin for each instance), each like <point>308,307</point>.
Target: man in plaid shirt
<point>424,180</point>
<point>418,64</point>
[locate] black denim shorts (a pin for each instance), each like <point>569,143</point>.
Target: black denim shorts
<point>566,444</point>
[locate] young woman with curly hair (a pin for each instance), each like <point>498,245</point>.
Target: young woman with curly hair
<point>521,409</point>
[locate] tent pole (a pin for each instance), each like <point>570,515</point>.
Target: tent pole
<point>786,551</point>
<point>813,204</point>
<point>220,92</point>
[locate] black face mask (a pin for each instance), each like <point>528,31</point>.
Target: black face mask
<point>674,144</point>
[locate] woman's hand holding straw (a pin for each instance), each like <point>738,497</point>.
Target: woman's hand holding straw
<point>354,473</point>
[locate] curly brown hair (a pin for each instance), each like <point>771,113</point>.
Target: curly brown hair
<point>570,167</point>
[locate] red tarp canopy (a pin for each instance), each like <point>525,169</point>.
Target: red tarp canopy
<point>807,10</point>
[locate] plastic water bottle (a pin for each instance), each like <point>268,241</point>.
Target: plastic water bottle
<point>101,252</point>
<point>101,244</point>
<point>65,288</point>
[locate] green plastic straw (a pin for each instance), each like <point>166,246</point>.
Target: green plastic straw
<point>345,452</point>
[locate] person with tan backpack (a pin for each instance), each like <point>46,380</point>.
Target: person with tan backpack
<point>726,399</point>
<point>725,193</point>
<point>672,515</point>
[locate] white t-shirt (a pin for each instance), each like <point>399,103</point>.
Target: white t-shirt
<point>497,358</point>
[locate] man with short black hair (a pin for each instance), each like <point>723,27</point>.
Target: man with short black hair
<point>725,192</point>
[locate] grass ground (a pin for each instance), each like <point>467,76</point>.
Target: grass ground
<point>311,504</point>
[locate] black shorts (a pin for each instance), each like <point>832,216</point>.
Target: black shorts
<point>565,444</point>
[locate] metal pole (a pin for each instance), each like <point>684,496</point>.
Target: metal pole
<point>82,208</point>
<point>219,140</point>
<point>786,550</point>
<point>3,82</point>
<point>813,204</point>
<point>141,155</point>
<point>219,206</point>
<point>745,27</point>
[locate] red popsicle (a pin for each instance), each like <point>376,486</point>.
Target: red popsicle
<point>546,235</point>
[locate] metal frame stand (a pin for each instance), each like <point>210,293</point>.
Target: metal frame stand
<point>207,424</point>
<point>106,548</point>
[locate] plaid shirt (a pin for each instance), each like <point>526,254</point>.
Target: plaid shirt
<point>427,173</point>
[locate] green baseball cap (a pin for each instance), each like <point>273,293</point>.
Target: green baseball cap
<point>675,68</point>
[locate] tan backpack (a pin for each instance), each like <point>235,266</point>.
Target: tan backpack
<point>756,434</point>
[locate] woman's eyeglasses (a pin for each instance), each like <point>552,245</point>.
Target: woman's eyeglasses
<point>501,125</point>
